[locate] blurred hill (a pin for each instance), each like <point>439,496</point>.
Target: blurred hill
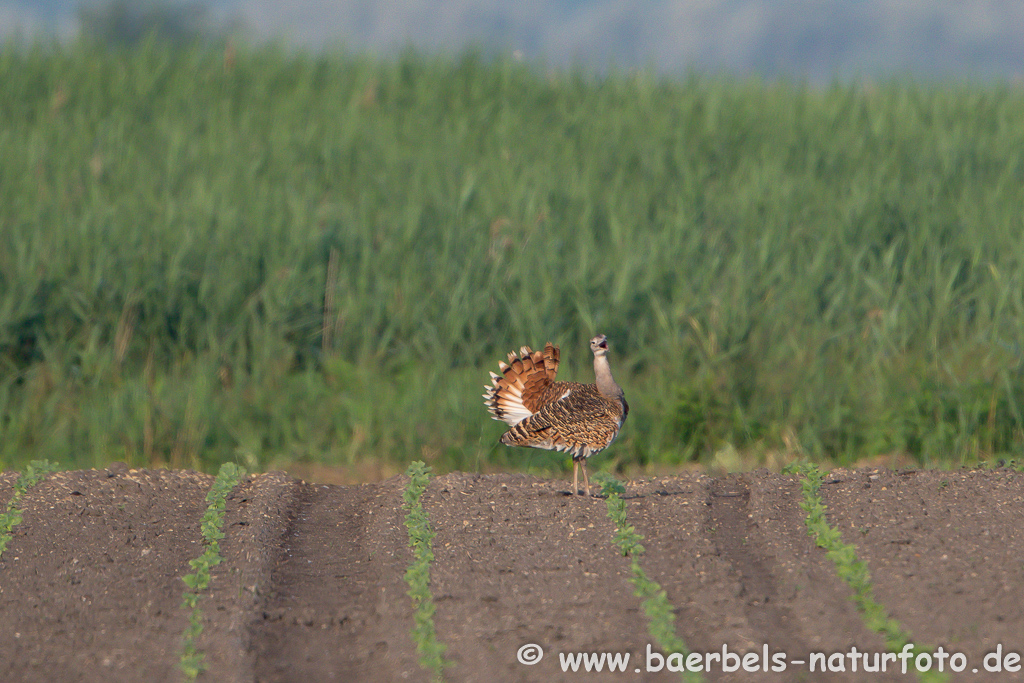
<point>793,38</point>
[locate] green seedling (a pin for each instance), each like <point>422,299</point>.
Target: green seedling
<point>660,617</point>
<point>34,473</point>
<point>421,538</point>
<point>192,661</point>
<point>851,569</point>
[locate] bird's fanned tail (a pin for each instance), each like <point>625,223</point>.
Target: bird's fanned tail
<point>581,419</point>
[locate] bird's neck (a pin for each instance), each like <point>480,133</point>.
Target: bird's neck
<point>605,382</point>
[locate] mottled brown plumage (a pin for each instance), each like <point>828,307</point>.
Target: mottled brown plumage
<point>581,419</point>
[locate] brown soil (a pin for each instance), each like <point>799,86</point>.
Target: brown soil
<point>312,588</point>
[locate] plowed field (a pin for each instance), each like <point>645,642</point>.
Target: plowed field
<point>312,583</point>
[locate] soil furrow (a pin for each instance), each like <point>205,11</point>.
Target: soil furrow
<point>255,522</point>
<point>670,514</point>
<point>727,520</point>
<point>336,608</point>
<point>742,572</point>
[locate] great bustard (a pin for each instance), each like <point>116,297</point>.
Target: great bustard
<point>582,419</point>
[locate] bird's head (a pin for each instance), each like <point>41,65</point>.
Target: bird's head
<point>599,345</point>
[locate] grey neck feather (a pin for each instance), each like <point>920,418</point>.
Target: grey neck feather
<point>605,382</point>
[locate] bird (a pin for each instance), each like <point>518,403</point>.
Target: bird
<point>580,419</point>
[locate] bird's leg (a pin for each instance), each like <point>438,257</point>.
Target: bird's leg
<point>575,477</point>
<point>586,479</point>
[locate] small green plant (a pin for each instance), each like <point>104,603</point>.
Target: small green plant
<point>191,662</point>
<point>421,538</point>
<point>660,618</point>
<point>851,569</point>
<point>33,474</point>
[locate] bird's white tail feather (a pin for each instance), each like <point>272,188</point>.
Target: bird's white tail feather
<point>504,399</point>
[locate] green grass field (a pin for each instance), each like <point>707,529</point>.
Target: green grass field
<point>279,259</point>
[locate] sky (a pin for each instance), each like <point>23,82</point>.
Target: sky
<point>802,39</point>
